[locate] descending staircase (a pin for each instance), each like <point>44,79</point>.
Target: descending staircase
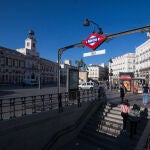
<point>103,131</point>
<point>103,128</point>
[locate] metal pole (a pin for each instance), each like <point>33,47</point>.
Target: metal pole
<point>60,51</point>
<point>39,76</point>
<point>59,67</point>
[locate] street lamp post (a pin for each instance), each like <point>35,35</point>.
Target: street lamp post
<point>87,23</point>
<point>147,78</point>
<point>39,75</point>
<point>110,74</point>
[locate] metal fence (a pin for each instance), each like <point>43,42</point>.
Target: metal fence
<point>147,145</point>
<point>21,106</point>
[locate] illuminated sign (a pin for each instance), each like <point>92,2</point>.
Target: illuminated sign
<point>94,40</point>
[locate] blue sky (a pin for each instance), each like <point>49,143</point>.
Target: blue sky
<point>59,23</point>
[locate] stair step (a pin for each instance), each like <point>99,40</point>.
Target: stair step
<point>109,130</point>
<point>100,139</point>
<point>108,118</point>
<point>117,108</point>
<point>114,115</point>
<point>112,111</point>
<point>106,123</point>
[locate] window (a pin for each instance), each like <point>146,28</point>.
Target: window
<point>9,62</point>
<point>33,45</point>
<point>15,63</point>
<point>28,44</point>
<point>2,61</point>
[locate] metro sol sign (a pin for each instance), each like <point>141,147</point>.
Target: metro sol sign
<point>94,40</point>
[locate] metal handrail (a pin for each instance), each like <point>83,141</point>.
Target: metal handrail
<point>20,106</point>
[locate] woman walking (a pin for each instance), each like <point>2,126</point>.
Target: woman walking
<point>125,110</point>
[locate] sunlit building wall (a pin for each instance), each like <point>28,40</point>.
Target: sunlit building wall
<point>142,61</point>
<point>123,63</point>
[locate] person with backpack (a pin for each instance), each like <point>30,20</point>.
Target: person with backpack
<point>125,110</point>
<point>134,117</point>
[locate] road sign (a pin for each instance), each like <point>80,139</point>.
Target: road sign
<point>94,40</point>
<point>94,53</point>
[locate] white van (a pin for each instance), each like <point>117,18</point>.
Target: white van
<point>88,86</point>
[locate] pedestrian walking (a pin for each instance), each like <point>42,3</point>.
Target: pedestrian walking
<point>122,92</point>
<point>146,91</point>
<point>125,110</point>
<point>134,117</point>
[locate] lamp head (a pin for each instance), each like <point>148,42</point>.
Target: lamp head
<point>110,60</point>
<point>100,31</point>
<point>86,22</point>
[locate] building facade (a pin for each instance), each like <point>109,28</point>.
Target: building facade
<point>25,63</point>
<point>142,60</point>
<point>138,63</point>
<point>123,63</point>
<point>96,72</point>
<point>12,66</point>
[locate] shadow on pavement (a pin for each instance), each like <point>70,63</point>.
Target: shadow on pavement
<point>5,93</point>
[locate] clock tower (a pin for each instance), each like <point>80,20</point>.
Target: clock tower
<point>30,42</point>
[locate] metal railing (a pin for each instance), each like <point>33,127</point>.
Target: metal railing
<point>21,106</point>
<point>147,145</point>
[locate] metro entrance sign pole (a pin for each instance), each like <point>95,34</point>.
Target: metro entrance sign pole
<point>60,51</point>
<point>93,41</point>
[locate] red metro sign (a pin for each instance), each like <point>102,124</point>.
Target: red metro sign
<point>94,40</point>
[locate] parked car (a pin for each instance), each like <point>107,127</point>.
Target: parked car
<point>88,86</point>
<point>32,82</point>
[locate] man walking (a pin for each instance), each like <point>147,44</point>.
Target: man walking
<point>146,90</point>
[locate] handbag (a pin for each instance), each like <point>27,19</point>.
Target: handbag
<point>124,114</point>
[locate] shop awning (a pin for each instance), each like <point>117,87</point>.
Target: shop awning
<point>125,77</point>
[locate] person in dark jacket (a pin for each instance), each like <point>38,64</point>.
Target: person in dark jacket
<point>122,92</point>
<point>134,117</point>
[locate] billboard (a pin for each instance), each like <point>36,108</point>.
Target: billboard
<point>73,79</point>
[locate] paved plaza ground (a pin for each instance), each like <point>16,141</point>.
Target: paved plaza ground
<point>18,91</point>
<point>112,95</point>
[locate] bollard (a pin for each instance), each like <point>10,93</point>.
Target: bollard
<point>1,111</point>
<point>43,104</point>
<point>99,93</point>
<point>50,101</point>
<point>78,98</point>
<point>23,99</point>
<point>60,108</point>
<point>33,104</point>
